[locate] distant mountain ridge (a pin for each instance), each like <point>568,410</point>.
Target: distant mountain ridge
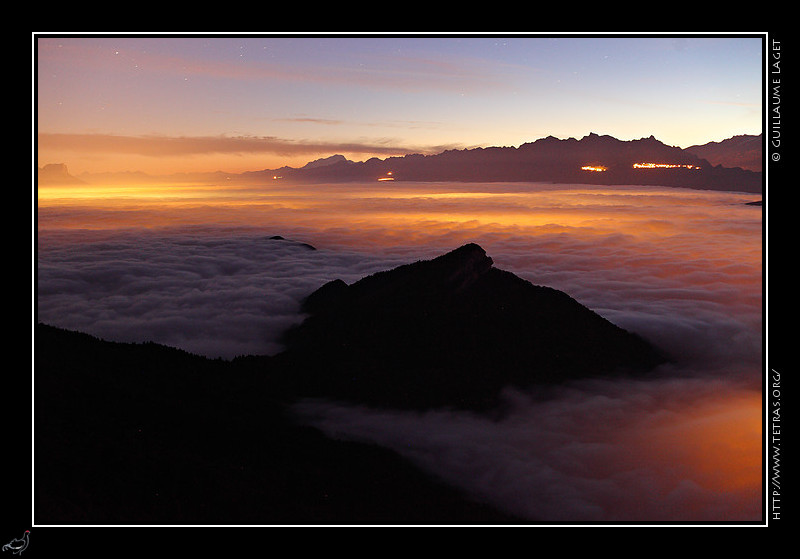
<point>326,161</point>
<point>593,159</point>
<point>545,160</point>
<point>745,151</point>
<point>56,173</point>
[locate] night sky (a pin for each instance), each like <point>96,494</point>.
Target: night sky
<point>167,104</point>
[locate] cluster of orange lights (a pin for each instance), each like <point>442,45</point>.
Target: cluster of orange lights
<point>601,168</point>
<point>663,166</point>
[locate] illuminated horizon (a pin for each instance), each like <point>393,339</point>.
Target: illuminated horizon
<point>163,105</point>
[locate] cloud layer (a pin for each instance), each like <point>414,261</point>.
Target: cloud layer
<point>668,450</point>
<point>682,268</point>
<point>216,295</point>
<point>182,146</point>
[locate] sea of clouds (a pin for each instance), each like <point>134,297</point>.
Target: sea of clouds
<point>683,270</point>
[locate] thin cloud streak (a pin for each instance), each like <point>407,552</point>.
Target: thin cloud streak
<point>384,72</point>
<point>406,124</point>
<point>312,120</point>
<point>171,146</point>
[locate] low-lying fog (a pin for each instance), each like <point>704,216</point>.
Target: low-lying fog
<point>197,269</point>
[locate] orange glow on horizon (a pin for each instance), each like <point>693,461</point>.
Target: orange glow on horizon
<point>495,206</point>
<point>414,212</point>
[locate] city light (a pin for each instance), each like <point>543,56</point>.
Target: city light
<point>663,166</point>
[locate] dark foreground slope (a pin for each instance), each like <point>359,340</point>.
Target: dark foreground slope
<point>452,331</point>
<point>145,434</point>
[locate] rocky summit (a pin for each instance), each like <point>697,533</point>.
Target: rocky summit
<point>451,332</point>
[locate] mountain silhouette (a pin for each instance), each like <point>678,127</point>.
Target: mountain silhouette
<point>56,174</point>
<point>545,160</point>
<point>144,434</point>
<point>743,151</point>
<point>326,161</point>
<point>452,331</point>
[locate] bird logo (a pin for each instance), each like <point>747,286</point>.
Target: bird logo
<point>17,546</point>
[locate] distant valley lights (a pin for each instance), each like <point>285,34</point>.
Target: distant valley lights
<point>663,166</point>
<point>601,168</point>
